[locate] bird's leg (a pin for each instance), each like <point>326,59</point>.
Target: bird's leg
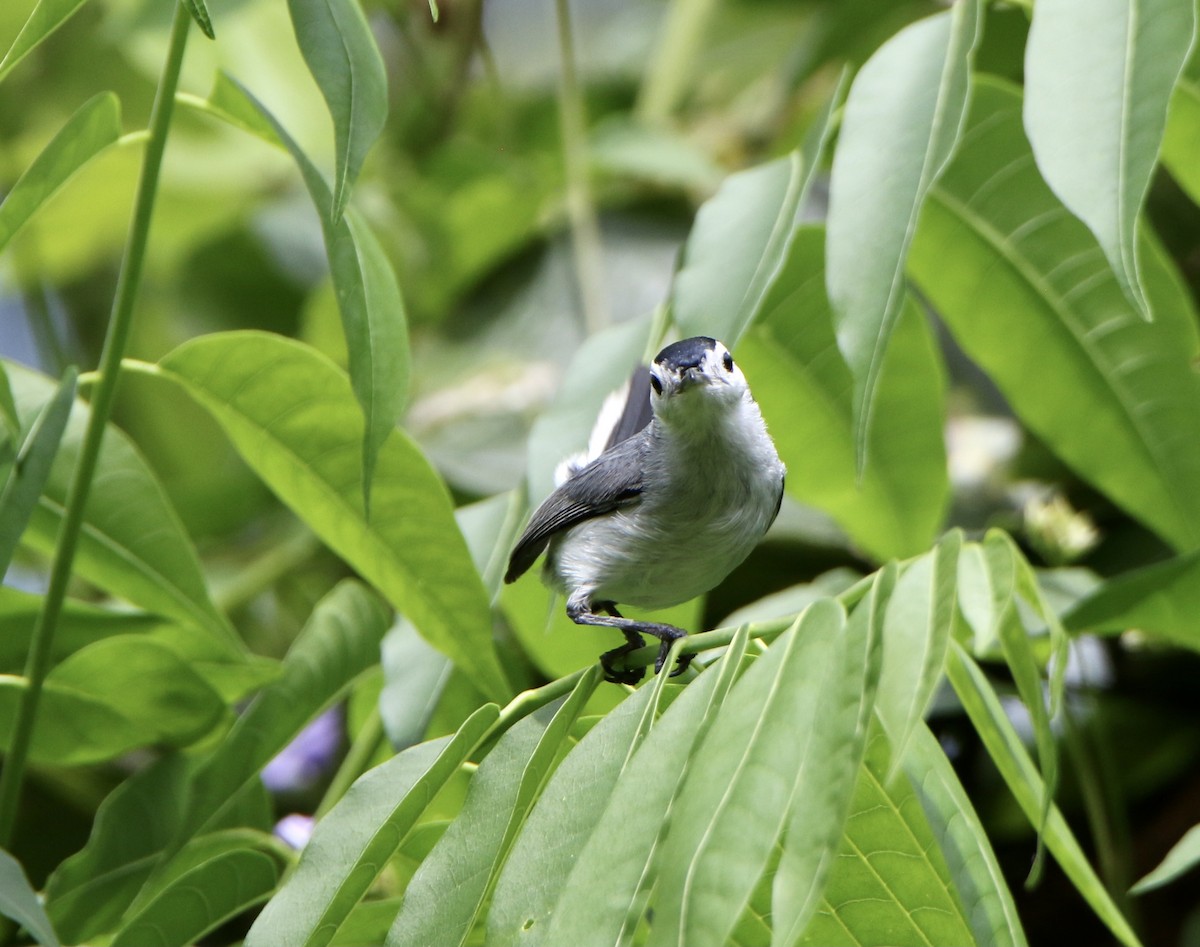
<point>581,611</point>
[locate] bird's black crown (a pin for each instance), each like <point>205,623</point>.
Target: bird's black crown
<point>687,353</point>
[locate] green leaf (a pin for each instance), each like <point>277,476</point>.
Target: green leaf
<point>605,893</point>
<point>113,696</point>
<point>920,618</point>
<point>822,797</point>
<point>132,544</point>
<point>448,892</point>
<point>791,359</point>
<point>890,883</point>
<point>902,121</point>
<point>741,238</point>
<point>353,843</point>
<point>8,410</point>
<point>95,126</point>
<point>20,902</point>
<point>232,104</point>
<point>1001,558</point>
<point>339,642</point>
<point>291,415</point>
<point>565,816</point>
<point>228,669</point>
<point>1029,297</point>
<point>974,871</point>
<point>1181,140</point>
<point>199,12</point>
<point>202,899</point>
<point>1011,759</point>
<point>368,296</point>
<point>1098,79</point>
<point>46,17</point>
<point>88,893</point>
<point>1182,857</point>
<point>742,786</point>
<point>1162,599</point>
<point>342,56</point>
<point>28,474</point>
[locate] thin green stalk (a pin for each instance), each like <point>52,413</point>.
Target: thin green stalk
<point>581,210</point>
<point>669,71</point>
<point>362,750</point>
<point>38,662</point>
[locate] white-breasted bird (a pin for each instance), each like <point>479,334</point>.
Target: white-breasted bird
<point>687,485</point>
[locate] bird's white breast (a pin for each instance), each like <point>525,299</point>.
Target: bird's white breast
<point>708,498</point>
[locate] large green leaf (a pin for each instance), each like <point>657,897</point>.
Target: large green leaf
<point>741,238</point>
<point>920,618</point>
<point>447,894</point>
<point>342,56</point>
<point>902,121</point>
<point>227,668</point>
<point>95,126</point>
<point>801,382</point>
<point>561,822</point>
<point>111,697</point>
<point>744,778</point>
<point>201,899</point>
<point>1181,141</point>
<point>339,642</point>
<point>890,884</point>
<point>1007,751</point>
<point>20,902</point>
<point>1162,599</point>
<point>47,16</point>
<point>132,544</point>
<point>823,793</point>
<point>604,895</point>
<point>1098,79</point>
<point>1028,296</point>
<point>150,820</point>
<point>354,841</point>
<point>30,469</point>
<point>88,893</point>
<point>974,870</point>
<point>368,297</point>
<point>291,415</point>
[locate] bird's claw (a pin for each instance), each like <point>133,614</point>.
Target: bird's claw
<point>663,652</point>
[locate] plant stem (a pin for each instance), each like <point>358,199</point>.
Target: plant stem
<point>669,71</point>
<point>581,210</point>
<point>362,749</point>
<point>38,662</point>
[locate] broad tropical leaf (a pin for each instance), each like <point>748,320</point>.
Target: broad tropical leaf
<point>1098,79</point>
<point>902,121</point>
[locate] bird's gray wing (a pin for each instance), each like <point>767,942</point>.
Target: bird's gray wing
<point>637,412</point>
<point>612,480</point>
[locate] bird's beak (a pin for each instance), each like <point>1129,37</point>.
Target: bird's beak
<point>686,378</point>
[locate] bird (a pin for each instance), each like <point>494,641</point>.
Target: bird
<point>687,483</point>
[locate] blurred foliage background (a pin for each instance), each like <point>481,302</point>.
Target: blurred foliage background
<point>470,193</point>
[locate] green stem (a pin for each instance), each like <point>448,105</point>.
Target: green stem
<point>38,662</point>
<point>361,751</point>
<point>669,72</point>
<point>581,210</point>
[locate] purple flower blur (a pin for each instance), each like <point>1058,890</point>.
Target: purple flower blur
<point>295,830</point>
<point>302,761</point>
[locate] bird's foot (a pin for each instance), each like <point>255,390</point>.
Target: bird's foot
<point>633,642</point>
<point>664,651</point>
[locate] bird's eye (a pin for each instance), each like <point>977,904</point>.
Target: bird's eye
<point>728,362</point>
<point>656,384</point>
